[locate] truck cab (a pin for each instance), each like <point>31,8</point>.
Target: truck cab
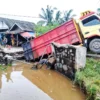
<point>89,25</point>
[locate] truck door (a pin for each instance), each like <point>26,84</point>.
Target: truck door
<point>90,28</point>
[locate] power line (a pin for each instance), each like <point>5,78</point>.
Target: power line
<point>20,16</point>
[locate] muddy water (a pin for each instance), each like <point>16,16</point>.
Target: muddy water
<point>21,83</point>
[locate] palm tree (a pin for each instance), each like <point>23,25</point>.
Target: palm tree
<point>68,15</point>
<point>47,15</point>
<point>58,15</point>
<point>56,18</point>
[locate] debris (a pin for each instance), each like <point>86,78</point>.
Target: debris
<point>15,52</point>
<point>49,62</point>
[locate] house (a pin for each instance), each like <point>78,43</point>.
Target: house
<point>21,30</point>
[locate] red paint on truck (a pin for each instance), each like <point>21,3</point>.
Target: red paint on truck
<point>66,33</point>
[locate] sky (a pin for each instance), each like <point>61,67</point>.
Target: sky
<point>33,7</point>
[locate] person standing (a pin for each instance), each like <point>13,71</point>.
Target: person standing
<point>12,40</point>
<point>4,41</point>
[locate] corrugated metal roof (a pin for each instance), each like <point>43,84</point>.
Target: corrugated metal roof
<point>27,26</point>
<point>28,34</point>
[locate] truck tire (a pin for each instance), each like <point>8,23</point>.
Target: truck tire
<point>94,45</point>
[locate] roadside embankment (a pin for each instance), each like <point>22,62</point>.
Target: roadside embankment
<point>89,79</point>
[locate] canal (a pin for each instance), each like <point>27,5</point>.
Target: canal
<point>19,82</point>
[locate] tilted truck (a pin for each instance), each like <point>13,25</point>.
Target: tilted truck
<point>85,31</point>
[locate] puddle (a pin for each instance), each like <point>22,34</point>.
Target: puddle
<point>22,83</point>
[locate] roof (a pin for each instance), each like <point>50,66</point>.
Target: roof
<point>28,34</point>
<point>24,25</point>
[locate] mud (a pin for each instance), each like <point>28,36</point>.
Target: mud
<point>21,83</point>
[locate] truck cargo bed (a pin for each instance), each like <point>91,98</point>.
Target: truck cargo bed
<point>65,33</point>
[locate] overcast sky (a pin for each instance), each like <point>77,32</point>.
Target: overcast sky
<point>33,7</point>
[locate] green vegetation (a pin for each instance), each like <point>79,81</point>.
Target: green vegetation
<point>47,15</point>
<point>51,18</point>
<point>51,15</point>
<point>43,29</point>
<point>2,67</point>
<point>89,79</point>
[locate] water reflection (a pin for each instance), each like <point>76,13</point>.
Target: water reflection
<point>54,84</point>
<point>0,81</point>
<point>20,80</point>
<point>21,88</point>
<point>7,74</point>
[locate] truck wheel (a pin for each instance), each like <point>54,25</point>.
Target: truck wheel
<point>94,45</point>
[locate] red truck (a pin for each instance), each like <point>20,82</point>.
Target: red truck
<point>85,31</point>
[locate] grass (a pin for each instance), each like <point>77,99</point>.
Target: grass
<point>2,67</point>
<point>89,79</point>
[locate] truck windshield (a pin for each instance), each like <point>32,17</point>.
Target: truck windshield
<point>93,20</point>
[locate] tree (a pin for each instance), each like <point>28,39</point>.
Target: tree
<point>68,15</point>
<point>63,17</point>
<point>51,19</point>
<point>47,15</point>
<point>58,16</point>
<point>43,29</point>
